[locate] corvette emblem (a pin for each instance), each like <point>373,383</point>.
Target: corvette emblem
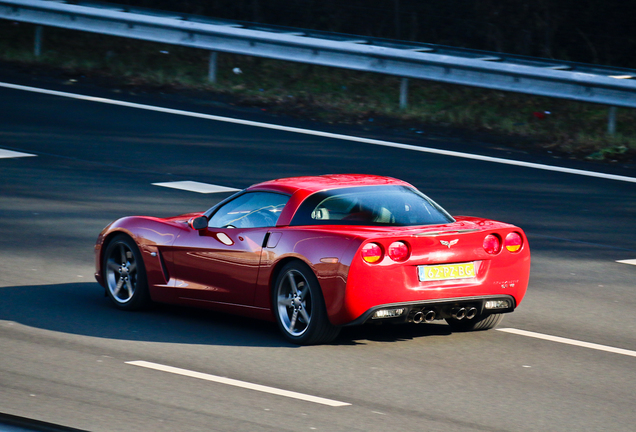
<point>450,243</point>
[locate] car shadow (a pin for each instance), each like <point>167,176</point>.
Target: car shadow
<point>83,309</point>
<point>390,333</point>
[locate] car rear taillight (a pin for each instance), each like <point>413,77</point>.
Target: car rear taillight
<point>513,242</point>
<point>398,251</point>
<point>372,252</point>
<point>492,244</point>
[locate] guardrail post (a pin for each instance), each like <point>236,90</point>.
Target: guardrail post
<point>37,48</point>
<point>212,67</point>
<point>404,93</point>
<point>611,121</point>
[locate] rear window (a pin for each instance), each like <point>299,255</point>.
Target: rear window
<point>370,205</point>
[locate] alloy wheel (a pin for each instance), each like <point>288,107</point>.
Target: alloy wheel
<point>294,303</point>
<point>121,273</point>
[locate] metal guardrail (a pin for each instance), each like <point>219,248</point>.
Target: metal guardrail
<point>615,87</point>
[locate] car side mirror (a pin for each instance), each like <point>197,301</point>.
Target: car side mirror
<point>198,223</point>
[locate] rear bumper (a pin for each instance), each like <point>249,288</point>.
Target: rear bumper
<point>442,309</point>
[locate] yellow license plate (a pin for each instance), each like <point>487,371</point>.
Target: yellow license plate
<point>446,271</point>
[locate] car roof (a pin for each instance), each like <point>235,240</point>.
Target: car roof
<point>312,184</point>
<point>301,187</point>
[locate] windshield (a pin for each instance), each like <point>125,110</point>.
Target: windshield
<point>249,210</point>
<point>370,205</point>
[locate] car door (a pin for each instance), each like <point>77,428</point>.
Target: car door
<point>221,262</point>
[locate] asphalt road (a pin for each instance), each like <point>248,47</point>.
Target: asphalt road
<point>64,350</point>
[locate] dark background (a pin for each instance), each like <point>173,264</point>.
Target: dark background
<point>589,31</point>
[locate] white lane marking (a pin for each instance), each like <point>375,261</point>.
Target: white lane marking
<point>237,383</point>
<point>569,341</point>
<point>631,261</point>
<point>193,186</point>
<point>13,154</point>
<point>324,134</point>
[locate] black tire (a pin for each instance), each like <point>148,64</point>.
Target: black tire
<point>125,274</point>
<point>483,322</point>
<point>299,306</point>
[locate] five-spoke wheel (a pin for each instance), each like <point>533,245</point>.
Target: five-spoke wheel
<point>299,306</point>
<point>294,303</point>
<point>124,274</point>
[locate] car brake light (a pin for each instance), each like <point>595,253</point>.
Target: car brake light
<point>492,244</point>
<point>371,252</point>
<point>513,242</point>
<point>398,251</point>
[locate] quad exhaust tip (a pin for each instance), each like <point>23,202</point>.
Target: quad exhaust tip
<point>458,313</point>
<point>424,316</point>
<point>461,313</point>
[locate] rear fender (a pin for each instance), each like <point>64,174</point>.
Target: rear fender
<point>327,254</point>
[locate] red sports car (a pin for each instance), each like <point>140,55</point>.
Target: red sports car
<point>318,253</point>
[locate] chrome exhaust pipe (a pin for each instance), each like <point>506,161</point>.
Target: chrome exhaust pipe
<point>471,312</point>
<point>418,317</point>
<point>429,316</point>
<point>459,313</point>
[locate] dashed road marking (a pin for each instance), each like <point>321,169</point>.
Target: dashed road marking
<point>629,261</point>
<point>13,154</point>
<point>237,383</point>
<point>323,134</point>
<point>569,341</point>
<point>193,186</point>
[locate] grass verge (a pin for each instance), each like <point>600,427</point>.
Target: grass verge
<point>566,128</point>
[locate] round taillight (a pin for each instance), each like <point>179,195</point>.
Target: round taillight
<point>492,244</point>
<point>513,242</point>
<point>371,252</point>
<point>398,251</point>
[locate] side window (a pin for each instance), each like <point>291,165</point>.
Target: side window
<point>250,210</point>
